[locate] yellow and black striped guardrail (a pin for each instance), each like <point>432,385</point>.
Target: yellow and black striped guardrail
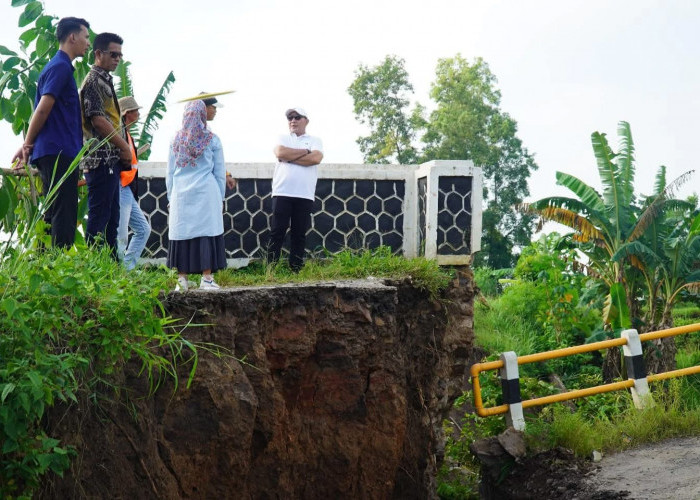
<point>637,381</point>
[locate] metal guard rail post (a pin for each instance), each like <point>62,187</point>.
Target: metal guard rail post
<point>637,380</point>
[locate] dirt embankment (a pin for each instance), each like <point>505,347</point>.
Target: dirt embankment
<point>342,395</point>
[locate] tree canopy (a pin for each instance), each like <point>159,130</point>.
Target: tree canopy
<point>381,99</point>
<point>466,124</point>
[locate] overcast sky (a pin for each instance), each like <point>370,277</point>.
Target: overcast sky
<point>564,68</point>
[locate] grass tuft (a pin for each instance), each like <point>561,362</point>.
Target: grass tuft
<point>348,264</point>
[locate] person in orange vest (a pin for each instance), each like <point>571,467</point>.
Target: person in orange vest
<point>130,214</point>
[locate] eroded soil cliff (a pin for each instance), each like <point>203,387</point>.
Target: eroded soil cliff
<point>342,395</point>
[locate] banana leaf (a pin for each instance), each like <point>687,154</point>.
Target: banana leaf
<point>615,311</point>
<point>124,86</point>
<point>586,193</point>
<point>158,109</point>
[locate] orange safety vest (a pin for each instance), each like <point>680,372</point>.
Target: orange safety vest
<point>127,176</point>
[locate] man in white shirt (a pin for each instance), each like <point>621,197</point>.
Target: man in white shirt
<point>293,188</point>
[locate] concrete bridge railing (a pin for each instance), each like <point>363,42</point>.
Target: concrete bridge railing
<point>431,210</point>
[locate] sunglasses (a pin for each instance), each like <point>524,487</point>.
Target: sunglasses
<point>113,54</point>
<point>295,117</point>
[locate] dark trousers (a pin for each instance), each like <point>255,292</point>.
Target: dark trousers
<point>103,204</point>
<point>62,213</point>
<point>286,209</point>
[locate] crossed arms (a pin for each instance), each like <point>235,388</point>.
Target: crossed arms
<point>298,156</point>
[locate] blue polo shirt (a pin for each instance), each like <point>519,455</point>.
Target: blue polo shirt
<point>62,132</point>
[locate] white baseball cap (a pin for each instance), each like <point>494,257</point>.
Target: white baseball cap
<point>299,111</point>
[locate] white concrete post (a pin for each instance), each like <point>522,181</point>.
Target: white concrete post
<point>510,385</point>
<point>634,361</point>
<point>432,171</point>
<point>477,195</point>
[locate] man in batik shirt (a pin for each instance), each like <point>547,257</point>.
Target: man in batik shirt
<point>109,150</point>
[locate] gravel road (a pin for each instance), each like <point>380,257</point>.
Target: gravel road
<point>665,470</point>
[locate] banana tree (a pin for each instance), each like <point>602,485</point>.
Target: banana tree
<point>670,251</point>
<point>603,224</point>
<point>143,135</point>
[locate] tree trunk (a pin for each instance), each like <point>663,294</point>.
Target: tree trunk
<point>660,354</point>
<point>612,365</point>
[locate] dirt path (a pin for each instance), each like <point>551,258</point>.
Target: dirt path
<point>666,470</point>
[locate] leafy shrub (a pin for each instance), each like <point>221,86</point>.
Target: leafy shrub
<point>489,280</point>
<point>525,300</point>
<point>67,322</point>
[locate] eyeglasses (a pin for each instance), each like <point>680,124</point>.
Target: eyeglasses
<point>295,117</point>
<point>113,54</point>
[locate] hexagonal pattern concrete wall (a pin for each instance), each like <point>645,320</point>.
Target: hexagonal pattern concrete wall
<point>348,213</point>
<point>454,215</point>
<point>413,209</point>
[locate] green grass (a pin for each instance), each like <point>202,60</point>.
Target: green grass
<point>379,263</point>
<point>671,416</point>
<point>685,314</point>
<point>497,331</point>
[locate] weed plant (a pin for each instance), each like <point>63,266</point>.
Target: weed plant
<point>68,321</point>
<point>497,330</point>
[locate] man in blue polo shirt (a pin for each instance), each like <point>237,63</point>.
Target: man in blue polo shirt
<point>54,137</point>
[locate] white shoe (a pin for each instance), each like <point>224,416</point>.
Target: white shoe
<point>182,284</point>
<point>208,285</point>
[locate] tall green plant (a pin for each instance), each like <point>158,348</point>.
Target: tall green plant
<point>144,135</point>
<point>154,115</point>
<point>608,225</point>
<point>669,252</point>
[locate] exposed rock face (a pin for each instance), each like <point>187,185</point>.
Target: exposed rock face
<point>342,395</point>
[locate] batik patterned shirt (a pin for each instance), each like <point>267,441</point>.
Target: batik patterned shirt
<point>97,98</point>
